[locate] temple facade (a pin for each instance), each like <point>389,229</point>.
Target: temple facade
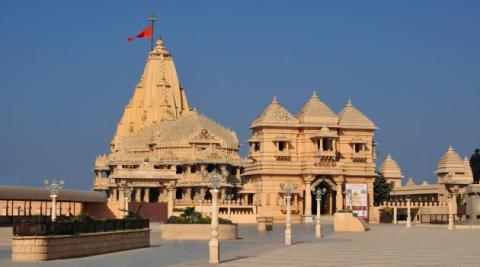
<point>317,148</point>
<point>163,149</point>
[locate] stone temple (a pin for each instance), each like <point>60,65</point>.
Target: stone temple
<point>163,149</point>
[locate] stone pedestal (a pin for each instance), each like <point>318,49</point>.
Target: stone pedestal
<point>473,203</point>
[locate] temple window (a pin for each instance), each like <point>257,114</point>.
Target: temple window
<point>179,169</point>
<point>256,146</point>
<point>327,144</point>
<point>358,147</point>
<point>193,169</point>
<point>282,146</point>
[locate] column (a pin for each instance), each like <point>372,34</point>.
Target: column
<point>395,215</point>
<point>189,193</point>
<point>339,199</point>
<point>146,196</point>
<point>222,193</point>
<point>138,195</point>
<point>308,197</point>
<point>170,201</point>
<point>330,203</point>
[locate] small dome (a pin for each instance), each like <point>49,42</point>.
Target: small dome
<point>410,182</point>
<point>450,163</point>
<point>390,168</point>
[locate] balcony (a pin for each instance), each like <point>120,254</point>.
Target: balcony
<point>359,156</point>
<point>283,155</point>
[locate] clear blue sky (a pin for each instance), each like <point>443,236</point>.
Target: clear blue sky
<point>66,72</point>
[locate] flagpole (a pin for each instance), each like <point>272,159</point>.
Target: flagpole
<point>152,20</point>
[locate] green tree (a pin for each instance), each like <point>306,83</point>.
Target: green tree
<point>381,189</point>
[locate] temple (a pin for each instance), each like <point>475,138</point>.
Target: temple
<point>453,177</point>
<point>317,148</point>
<point>163,149</point>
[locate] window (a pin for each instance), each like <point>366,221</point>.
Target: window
<point>256,146</point>
<point>179,169</point>
<point>327,144</point>
<point>282,145</point>
<point>358,148</point>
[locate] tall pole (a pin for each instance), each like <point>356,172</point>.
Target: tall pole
<point>214,179</point>
<point>318,226</point>
<point>409,216</point>
<point>152,20</point>
<point>288,230</point>
<point>213,244</point>
<point>288,191</point>
<point>450,213</point>
<point>54,190</point>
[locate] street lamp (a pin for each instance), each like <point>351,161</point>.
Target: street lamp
<point>318,227</point>
<point>450,212</point>
<point>54,190</point>
<point>214,179</point>
<point>229,198</point>
<point>288,191</point>
<point>126,195</point>
<point>409,216</point>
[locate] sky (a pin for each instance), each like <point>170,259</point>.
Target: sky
<point>67,71</point>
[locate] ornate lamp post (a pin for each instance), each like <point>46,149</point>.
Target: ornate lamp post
<point>126,195</point>
<point>214,179</point>
<point>318,227</point>
<point>409,214</point>
<point>450,212</point>
<point>288,191</point>
<point>229,199</point>
<point>54,190</point>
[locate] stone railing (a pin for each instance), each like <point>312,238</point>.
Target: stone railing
<point>189,202</point>
<point>413,204</point>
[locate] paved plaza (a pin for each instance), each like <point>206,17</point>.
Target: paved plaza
<point>384,245</point>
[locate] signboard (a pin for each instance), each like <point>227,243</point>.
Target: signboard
<point>357,199</point>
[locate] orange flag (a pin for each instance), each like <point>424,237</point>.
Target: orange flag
<point>147,33</point>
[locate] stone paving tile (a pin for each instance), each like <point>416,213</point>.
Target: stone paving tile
<point>384,245</point>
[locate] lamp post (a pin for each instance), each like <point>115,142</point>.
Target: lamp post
<point>288,191</point>
<point>318,227</point>
<point>214,179</point>
<point>409,214</point>
<point>450,212</point>
<point>54,190</point>
<point>229,198</point>
<point>126,195</point>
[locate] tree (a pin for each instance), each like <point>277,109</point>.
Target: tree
<point>381,189</point>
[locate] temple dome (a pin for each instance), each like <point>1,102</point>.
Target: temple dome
<point>390,168</point>
<point>351,117</point>
<point>450,162</point>
<point>275,114</point>
<point>316,111</point>
<point>191,128</point>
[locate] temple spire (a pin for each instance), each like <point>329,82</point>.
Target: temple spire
<point>158,96</point>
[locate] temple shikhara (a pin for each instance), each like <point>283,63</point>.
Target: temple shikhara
<point>163,149</point>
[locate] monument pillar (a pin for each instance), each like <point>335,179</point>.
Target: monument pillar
<point>339,197</point>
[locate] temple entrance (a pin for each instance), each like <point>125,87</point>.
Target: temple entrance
<point>328,202</point>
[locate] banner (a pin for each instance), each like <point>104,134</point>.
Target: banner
<point>357,199</point>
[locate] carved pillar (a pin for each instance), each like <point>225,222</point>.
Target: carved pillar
<point>170,200</point>
<point>138,195</point>
<point>339,199</point>
<point>188,193</point>
<point>330,202</point>
<point>308,197</point>
<point>146,196</point>
<point>222,193</point>
<point>370,194</point>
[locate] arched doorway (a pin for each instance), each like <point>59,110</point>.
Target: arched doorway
<point>328,202</point>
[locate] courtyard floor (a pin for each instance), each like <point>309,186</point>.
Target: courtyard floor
<point>383,245</point>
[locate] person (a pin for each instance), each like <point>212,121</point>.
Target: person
<point>475,165</point>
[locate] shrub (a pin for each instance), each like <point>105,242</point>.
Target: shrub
<point>190,216</point>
